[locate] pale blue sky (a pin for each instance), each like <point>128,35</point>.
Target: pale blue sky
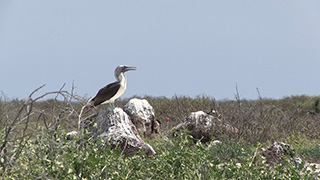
<point>179,47</point>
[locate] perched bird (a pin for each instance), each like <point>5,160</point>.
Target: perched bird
<point>109,93</point>
<point>112,91</point>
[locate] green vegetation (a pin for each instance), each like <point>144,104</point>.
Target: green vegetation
<point>33,143</point>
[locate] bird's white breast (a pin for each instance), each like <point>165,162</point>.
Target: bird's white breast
<point>123,87</point>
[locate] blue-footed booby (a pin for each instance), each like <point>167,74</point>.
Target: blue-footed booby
<point>109,93</point>
<point>112,91</point>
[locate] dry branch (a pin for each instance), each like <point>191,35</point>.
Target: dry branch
<point>22,117</point>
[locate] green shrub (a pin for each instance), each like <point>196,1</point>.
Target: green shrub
<point>306,147</point>
<point>34,146</point>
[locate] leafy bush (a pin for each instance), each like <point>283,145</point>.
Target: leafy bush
<point>49,157</point>
<point>33,143</point>
<point>306,147</point>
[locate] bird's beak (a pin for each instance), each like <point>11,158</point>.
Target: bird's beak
<point>129,68</point>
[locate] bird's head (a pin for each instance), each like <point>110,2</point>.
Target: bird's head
<point>122,69</point>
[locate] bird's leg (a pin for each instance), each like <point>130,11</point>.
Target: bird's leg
<point>113,107</point>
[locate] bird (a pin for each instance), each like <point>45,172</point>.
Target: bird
<point>109,93</point>
<point>112,91</point>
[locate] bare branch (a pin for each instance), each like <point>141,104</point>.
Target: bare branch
<point>36,90</point>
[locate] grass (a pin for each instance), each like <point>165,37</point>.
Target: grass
<point>33,144</point>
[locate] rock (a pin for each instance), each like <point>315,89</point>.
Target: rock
<point>116,128</point>
<point>313,167</point>
<point>275,153</point>
<point>71,135</point>
<point>214,144</point>
<point>279,150</point>
<point>142,116</point>
<point>204,126</point>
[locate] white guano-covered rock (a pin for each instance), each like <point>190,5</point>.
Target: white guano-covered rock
<point>204,126</point>
<point>142,116</point>
<point>116,128</point>
<point>275,153</point>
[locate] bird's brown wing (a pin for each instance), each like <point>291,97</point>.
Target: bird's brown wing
<point>106,93</point>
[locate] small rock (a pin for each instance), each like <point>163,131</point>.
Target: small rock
<point>71,135</point>
<point>214,143</point>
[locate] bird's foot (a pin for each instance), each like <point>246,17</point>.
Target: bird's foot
<point>115,110</point>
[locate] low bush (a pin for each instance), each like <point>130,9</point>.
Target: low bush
<point>51,156</point>
<point>33,143</point>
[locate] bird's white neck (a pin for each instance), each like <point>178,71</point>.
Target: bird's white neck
<point>122,79</point>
